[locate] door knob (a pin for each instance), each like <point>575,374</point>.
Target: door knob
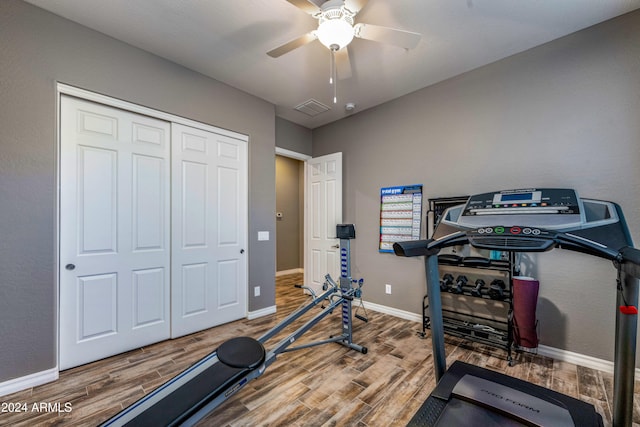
<point>70,266</point>
<point>336,246</point>
<point>241,251</point>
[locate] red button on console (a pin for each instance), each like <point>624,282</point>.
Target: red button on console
<point>515,230</point>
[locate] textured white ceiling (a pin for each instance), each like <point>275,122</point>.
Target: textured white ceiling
<point>228,40</point>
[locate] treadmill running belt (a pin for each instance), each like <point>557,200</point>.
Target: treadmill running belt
<point>460,413</point>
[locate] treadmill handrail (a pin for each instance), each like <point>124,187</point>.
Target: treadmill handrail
<point>564,240</point>
<point>630,262</point>
<point>569,241</point>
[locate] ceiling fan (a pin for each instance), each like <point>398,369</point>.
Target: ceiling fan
<point>337,28</point>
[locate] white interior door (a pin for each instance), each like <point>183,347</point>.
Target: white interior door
<point>114,231</point>
<point>209,223</point>
<point>323,212</point>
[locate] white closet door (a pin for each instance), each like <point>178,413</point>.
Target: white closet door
<point>322,213</point>
<point>209,222</point>
<point>114,231</point>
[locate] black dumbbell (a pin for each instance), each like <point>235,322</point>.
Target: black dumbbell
<point>496,289</point>
<point>477,291</point>
<point>446,282</point>
<point>461,280</point>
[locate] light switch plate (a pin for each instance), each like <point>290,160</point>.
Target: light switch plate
<point>263,235</point>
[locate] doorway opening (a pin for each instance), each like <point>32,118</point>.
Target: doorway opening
<point>290,205</point>
<point>322,211</point>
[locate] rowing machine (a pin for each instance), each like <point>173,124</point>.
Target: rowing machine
<point>196,392</point>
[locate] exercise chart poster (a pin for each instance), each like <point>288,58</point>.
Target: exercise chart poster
<point>400,215</point>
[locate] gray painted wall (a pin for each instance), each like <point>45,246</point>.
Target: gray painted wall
<point>38,49</point>
<point>561,115</point>
<point>293,137</point>
<point>289,202</point>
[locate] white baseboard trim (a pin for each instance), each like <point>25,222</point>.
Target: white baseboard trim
<point>261,313</point>
<point>543,350</point>
<point>577,359</point>
<point>407,315</point>
<point>43,377</point>
<point>580,359</point>
<point>28,381</point>
<point>287,272</point>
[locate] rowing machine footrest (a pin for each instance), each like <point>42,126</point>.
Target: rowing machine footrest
<point>241,352</point>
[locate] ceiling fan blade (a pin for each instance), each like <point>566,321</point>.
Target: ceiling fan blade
<point>400,38</point>
<point>343,63</point>
<point>306,5</point>
<point>293,44</point>
<point>355,6</point>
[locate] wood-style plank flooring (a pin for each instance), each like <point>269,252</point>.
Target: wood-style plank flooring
<point>329,385</point>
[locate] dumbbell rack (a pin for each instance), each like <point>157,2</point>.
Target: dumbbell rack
<point>485,318</point>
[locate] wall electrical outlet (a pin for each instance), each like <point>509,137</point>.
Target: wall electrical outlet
<point>387,289</point>
<point>256,291</point>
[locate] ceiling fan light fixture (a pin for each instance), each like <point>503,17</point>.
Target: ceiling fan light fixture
<point>335,32</point>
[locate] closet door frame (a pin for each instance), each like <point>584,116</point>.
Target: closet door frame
<point>65,89</point>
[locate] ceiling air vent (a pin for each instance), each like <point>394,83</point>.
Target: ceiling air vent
<point>312,107</point>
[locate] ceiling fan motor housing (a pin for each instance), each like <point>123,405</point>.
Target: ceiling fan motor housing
<point>335,25</point>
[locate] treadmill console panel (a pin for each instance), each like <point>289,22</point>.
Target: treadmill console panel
<point>542,207</point>
<point>512,238</point>
<point>530,219</point>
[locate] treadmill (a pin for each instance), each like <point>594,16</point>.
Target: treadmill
<point>528,220</point>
